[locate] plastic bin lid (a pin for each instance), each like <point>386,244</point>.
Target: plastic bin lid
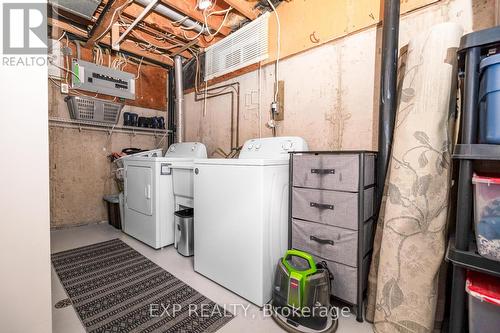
<point>188,212</point>
<point>485,180</point>
<point>113,198</point>
<point>483,287</point>
<point>488,61</point>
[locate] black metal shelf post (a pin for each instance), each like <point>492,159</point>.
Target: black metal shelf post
<point>473,48</point>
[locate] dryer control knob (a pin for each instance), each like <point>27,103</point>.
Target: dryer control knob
<point>250,147</point>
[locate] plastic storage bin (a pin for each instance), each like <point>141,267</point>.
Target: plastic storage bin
<point>487,215</point>
<point>113,202</point>
<point>484,302</point>
<point>489,100</point>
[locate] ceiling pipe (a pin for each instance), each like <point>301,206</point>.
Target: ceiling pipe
<point>173,15</point>
<point>179,98</point>
<point>388,90</point>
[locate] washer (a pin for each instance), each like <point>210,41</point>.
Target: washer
<point>241,214</point>
<point>155,187</point>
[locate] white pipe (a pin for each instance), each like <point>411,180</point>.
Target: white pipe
<point>136,21</point>
<point>173,15</point>
<point>179,98</point>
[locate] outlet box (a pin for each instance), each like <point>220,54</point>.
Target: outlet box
<point>64,88</point>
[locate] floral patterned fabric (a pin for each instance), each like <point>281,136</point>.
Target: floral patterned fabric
<point>410,239</point>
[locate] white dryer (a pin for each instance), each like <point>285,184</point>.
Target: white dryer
<point>241,216</point>
<point>154,187</point>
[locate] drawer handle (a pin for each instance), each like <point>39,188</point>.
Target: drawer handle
<point>321,241</point>
<point>323,171</point>
<point>321,206</point>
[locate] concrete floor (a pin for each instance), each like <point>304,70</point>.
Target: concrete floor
<point>65,320</point>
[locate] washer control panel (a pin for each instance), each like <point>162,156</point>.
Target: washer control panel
<point>187,150</point>
<point>272,148</point>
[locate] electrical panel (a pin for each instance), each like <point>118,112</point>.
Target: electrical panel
<point>103,80</point>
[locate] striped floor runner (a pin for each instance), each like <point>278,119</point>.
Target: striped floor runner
<point>114,288</point>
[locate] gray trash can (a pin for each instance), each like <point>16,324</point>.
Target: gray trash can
<point>184,233</point>
<point>114,216</point>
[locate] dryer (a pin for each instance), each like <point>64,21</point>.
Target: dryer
<point>241,216</point>
<point>154,188</point>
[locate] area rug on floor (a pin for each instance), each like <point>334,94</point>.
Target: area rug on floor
<point>114,288</point>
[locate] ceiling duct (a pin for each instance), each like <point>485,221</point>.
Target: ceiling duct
<point>173,15</point>
<point>83,8</point>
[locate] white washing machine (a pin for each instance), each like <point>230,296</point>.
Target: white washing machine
<point>155,187</point>
<point>241,216</point>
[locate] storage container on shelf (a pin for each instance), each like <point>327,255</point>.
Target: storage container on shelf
<point>484,302</point>
<point>487,215</point>
<point>489,100</point>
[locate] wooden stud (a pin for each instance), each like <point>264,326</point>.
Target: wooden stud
<point>127,45</point>
<point>244,8</point>
<point>105,23</point>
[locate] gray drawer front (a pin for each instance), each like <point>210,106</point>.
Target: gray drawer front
<point>316,171</point>
<point>344,249</point>
<point>330,207</point>
<point>344,283</point>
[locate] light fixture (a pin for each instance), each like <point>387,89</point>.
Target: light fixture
<point>204,4</point>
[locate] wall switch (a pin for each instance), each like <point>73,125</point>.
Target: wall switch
<point>64,88</point>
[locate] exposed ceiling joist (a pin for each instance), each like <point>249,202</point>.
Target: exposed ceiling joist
<point>105,21</point>
<point>189,8</point>
<point>127,45</point>
<point>161,22</point>
<point>162,45</point>
<point>244,8</point>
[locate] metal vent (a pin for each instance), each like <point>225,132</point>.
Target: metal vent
<point>244,47</point>
<point>91,109</point>
<point>83,8</point>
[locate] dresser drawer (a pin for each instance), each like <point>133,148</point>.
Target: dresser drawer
<point>331,172</point>
<point>330,207</point>
<point>332,243</point>
<point>344,283</point>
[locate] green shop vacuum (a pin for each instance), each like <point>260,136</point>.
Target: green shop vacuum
<point>301,295</point>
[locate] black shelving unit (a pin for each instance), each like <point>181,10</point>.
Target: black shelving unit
<point>461,249</point>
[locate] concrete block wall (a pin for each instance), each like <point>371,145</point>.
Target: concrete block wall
<point>80,171</point>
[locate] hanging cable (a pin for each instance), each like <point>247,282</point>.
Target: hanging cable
<point>274,104</point>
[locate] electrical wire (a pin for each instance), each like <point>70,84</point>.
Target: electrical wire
<point>220,27</point>
<point>139,69</point>
<point>278,50</point>
<point>113,18</point>
<point>64,69</point>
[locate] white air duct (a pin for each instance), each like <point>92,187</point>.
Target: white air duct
<point>173,15</point>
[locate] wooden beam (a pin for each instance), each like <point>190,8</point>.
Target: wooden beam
<point>105,21</point>
<point>168,47</point>
<point>189,8</point>
<point>160,22</point>
<point>127,45</point>
<point>183,49</point>
<point>244,8</point>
